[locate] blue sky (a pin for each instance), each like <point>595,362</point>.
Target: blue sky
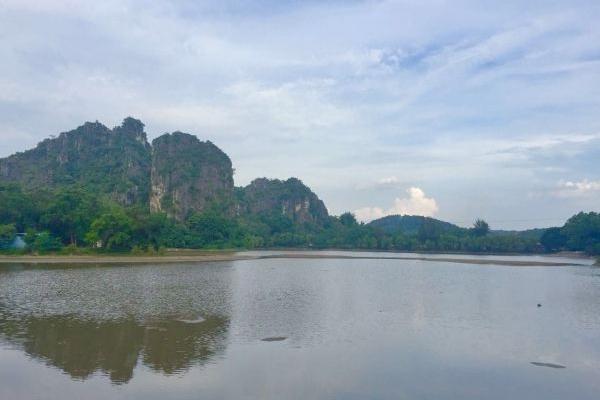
<point>457,109</point>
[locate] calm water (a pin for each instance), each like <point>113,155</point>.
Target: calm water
<point>353,329</point>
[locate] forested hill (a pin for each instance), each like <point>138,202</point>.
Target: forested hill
<point>411,224</point>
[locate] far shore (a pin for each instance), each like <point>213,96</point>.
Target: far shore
<point>183,256</point>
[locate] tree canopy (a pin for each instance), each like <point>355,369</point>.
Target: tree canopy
<point>73,218</point>
<point>480,228</point>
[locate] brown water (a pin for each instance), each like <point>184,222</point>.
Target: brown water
<point>300,328</point>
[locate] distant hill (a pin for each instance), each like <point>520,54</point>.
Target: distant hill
<point>410,224</point>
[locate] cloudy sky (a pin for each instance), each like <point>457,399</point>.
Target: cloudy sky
<point>457,109</point>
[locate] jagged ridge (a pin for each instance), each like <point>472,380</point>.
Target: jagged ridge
<point>177,174</point>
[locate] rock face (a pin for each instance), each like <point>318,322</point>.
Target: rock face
<point>189,175</point>
<point>115,162</point>
<point>178,174</point>
<point>290,198</point>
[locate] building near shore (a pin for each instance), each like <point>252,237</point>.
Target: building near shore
<point>17,243</point>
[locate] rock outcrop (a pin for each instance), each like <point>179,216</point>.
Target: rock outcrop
<point>115,162</point>
<point>189,175</point>
<point>178,174</point>
<point>290,198</point>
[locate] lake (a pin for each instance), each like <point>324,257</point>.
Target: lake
<point>301,329</point>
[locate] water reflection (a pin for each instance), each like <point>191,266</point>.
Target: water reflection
<point>83,347</point>
<point>352,329</point>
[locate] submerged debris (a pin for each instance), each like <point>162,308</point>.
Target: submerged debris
<point>156,328</point>
<point>274,339</point>
<point>549,365</point>
<point>192,321</point>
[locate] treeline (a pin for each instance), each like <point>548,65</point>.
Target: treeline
<point>580,233</point>
<point>72,219</point>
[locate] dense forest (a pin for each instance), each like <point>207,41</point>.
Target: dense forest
<point>74,220</point>
<point>110,190</point>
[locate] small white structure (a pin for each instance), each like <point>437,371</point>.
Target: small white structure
<point>18,242</point>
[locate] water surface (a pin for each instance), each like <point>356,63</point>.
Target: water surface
<point>300,328</point>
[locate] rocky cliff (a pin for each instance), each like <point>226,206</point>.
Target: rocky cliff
<point>189,175</point>
<point>115,162</point>
<point>290,198</point>
<point>178,174</point>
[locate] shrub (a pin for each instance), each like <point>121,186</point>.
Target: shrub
<point>46,243</point>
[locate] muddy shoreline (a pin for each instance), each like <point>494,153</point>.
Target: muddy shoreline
<point>233,256</point>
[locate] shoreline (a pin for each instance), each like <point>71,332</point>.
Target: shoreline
<point>236,256</point>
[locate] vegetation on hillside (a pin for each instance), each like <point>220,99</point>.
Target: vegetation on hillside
<point>410,224</point>
<point>581,232</point>
<point>72,218</point>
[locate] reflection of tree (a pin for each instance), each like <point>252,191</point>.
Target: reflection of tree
<point>81,347</point>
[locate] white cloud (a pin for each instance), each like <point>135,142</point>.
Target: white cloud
<point>416,204</point>
<point>390,180</point>
<point>580,188</point>
<point>424,91</point>
<point>367,214</point>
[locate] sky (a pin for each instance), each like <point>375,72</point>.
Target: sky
<point>454,109</point>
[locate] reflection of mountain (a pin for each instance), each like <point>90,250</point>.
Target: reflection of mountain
<point>173,346</point>
<point>82,347</point>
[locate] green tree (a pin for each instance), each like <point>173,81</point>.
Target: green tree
<point>7,235</point>
<point>7,232</point>
<point>480,228</point>
<point>17,207</point>
<point>429,231</point>
<point>150,230</point>
<point>44,242</point>
<point>69,214</point>
<point>111,231</point>
<point>553,239</point>
<point>348,219</point>
<point>582,232</point>
<point>211,229</point>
